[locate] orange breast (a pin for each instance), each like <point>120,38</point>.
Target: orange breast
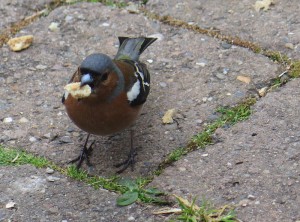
<point>102,117</point>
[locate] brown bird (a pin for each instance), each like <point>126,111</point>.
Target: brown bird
<point>119,88</point>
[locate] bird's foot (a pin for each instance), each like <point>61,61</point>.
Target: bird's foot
<point>84,155</point>
<point>130,161</point>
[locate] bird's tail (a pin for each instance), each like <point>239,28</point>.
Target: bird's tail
<point>132,48</point>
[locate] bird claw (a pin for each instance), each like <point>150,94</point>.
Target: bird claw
<point>84,155</point>
<point>130,161</point>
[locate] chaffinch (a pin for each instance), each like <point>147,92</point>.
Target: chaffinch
<point>119,88</point>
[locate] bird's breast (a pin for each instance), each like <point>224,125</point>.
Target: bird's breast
<point>102,117</point>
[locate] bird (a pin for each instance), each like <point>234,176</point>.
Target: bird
<point>119,89</point>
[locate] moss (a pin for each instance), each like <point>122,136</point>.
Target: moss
<point>295,69</point>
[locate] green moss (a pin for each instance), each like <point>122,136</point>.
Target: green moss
<point>20,157</point>
<point>295,69</point>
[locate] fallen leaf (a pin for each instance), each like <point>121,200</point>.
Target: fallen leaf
<point>168,117</point>
<point>186,202</point>
<point>168,211</point>
<point>264,4</point>
<point>20,43</point>
<point>244,79</point>
<point>10,205</point>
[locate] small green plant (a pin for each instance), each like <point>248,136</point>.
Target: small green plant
<point>295,69</point>
<point>135,191</point>
<point>190,212</point>
<point>20,157</point>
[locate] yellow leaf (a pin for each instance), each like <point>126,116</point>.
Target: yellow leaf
<point>168,211</point>
<point>264,4</point>
<point>168,117</point>
<point>244,79</point>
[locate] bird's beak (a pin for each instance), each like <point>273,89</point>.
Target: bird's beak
<point>86,79</point>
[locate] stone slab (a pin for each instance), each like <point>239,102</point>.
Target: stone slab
<point>271,29</point>
<point>38,199</point>
<point>256,164</point>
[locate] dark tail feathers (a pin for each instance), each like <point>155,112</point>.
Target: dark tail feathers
<point>132,48</point>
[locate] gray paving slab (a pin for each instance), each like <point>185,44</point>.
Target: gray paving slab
<point>255,165</point>
<point>65,200</point>
<point>12,11</point>
<point>275,29</point>
<point>194,77</point>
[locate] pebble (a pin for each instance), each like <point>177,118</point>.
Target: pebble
<point>220,76</point>
<point>205,154</point>
<point>251,197</point>
<point>53,26</point>
<point>226,45</point>
<point>7,120</point>
<point>32,139</point>
<point>68,18</point>
<point>201,62</point>
<point>65,139</point>
<point>47,135</point>
<point>52,178</point>
<point>105,24</point>
<point>225,70</point>
<point>150,61</point>
<point>199,121</point>
<point>131,218</point>
<point>181,169</point>
<point>289,45</point>
<point>23,120</point>
<point>49,170</point>
<point>10,205</point>
<point>163,84</point>
<point>76,134</point>
<point>244,202</point>
<point>41,67</point>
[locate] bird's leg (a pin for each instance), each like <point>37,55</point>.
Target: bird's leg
<point>130,161</point>
<point>84,154</point>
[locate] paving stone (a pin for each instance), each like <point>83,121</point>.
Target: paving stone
<point>12,11</point>
<point>37,199</point>
<point>271,29</point>
<point>85,28</point>
<point>255,158</point>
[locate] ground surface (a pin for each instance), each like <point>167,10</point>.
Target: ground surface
<point>192,73</point>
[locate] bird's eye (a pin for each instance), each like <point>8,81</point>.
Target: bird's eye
<point>104,77</point>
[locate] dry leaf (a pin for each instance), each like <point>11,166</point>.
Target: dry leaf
<point>244,79</point>
<point>186,202</point>
<point>264,4</point>
<point>20,43</point>
<point>168,211</point>
<point>168,117</point>
<point>10,205</point>
<point>263,91</point>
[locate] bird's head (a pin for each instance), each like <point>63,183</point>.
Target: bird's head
<point>95,69</point>
<point>101,74</point>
